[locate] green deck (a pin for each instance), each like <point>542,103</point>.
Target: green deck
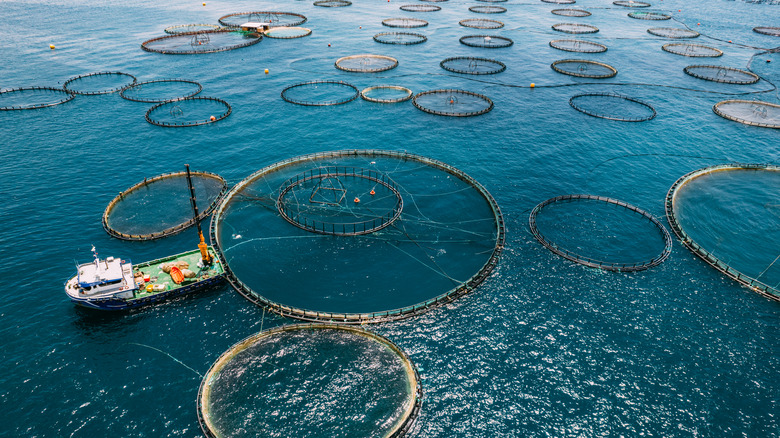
<point>154,270</point>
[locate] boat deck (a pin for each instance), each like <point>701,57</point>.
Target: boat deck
<point>158,277</point>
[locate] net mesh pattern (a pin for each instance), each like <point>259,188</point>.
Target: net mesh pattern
<point>749,112</point>
<point>386,94</point>
<point>366,63</point>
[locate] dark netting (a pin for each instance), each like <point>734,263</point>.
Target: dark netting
<point>404,22</point>
<point>401,38</point>
<point>287,32</point>
<point>161,90</point>
<point>571,12</point>
<point>473,66</point>
<point>584,68</point>
<point>767,30</point>
<point>161,206</point>
<point>187,28</point>
<point>190,111</point>
<point>692,50</point>
<point>750,112</point>
<point>99,83</point>
<point>717,73</point>
<point>273,18</point>
<point>366,63</point>
<point>454,103</point>
<point>614,233</point>
<point>720,211</point>
<point>649,15</point>
<point>386,94</point>
<point>486,41</point>
<point>612,107</point>
<point>201,42</point>
<point>575,28</point>
<point>487,9</point>
<point>446,240</point>
<point>672,32</point>
<point>420,8</point>
<point>481,23</point>
<point>560,2</point>
<point>352,383</point>
<point>320,93</point>
<point>33,97</point>
<point>578,46</point>
<point>631,4</point>
<point>332,3</point>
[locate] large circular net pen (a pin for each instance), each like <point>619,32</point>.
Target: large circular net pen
<point>616,236</point>
<point>481,23</point>
<point>400,38</point>
<point>767,30</point>
<point>560,2</point>
<point>673,32</point>
<point>444,243</point>
<point>631,4</point>
<point>574,28</point>
<point>649,15</point>
<point>453,103</point>
<point>493,1</point>
<point>580,46</point>
<point>420,8</point>
<point>320,93</point>
<point>195,43</point>
<point>161,90</point>
<point>273,18</point>
<point>584,69</point>
<point>486,41</point>
<point>487,9</point>
<point>287,33</point>
<point>335,381</point>
<point>99,83</point>
<point>190,111</point>
<point>692,50</point>
<point>750,112</point>
<point>729,216</point>
<point>386,94</point>
<point>472,66</point>
<point>187,28</point>
<point>366,63</point>
<point>612,107</point>
<point>404,22</point>
<point>717,73</point>
<point>332,3</point>
<point>33,97</point>
<point>571,12</point>
<point>160,206</point>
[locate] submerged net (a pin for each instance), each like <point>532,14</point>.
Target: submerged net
<point>692,50</point>
<point>481,23</point>
<point>455,103</point>
<point>99,83</point>
<point>161,90</point>
<point>420,8</point>
<point>600,232</point>
<point>717,73</point>
<point>33,97</point>
<point>750,112</point>
<point>187,28</point>
<point>273,18</point>
<point>767,30</point>
<point>194,43</point>
<point>578,46</point>
<point>649,15</point>
<point>487,9</point>
<point>584,68</point>
<point>190,111</point>
<point>404,22</point>
<point>332,3</point>
<point>320,93</point>
<point>571,12</point>
<point>386,94</point>
<point>612,107</point>
<point>287,32</point>
<point>161,206</point>
<point>366,63</point>
<point>672,32</point>
<point>631,4</point>
<point>486,41</point>
<point>473,66</point>
<point>575,28</point>
<point>400,38</point>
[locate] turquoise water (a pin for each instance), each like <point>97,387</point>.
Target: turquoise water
<point>543,348</point>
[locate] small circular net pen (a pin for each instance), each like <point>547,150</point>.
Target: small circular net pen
<point>160,206</point>
<point>332,3</point>
<point>574,28</point>
<point>420,8</point>
<point>187,28</point>
<point>161,90</point>
<point>584,69</point>
<point>25,98</point>
<point>287,33</point>
<point>190,111</point>
<point>767,30</point>
<point>487,9</point>
<point>445,242</point>
<point>631,4</point>
<point>481,23</point>
<point>717,73</point>
<point>352,383</point>
<point>366,63</point>
<point>99,83</point>
<point>486,41</point>
<point>727,215</point>
<point>403,22</point>
<point>473,66</point>
<point>611,230</point>
<point>578,46</point>
<point>273,18</point>
<point>400,38</point>
<point>673,32</point>
<point>612,107</point>
<point>750,112</point>
<point>571,12</point>
<point>320,93</point>
<point>386,94</point>
<point>453,103</point>
<point>649,15</point>
<point>560,2</point>
<point>692,50</point>
<point>493,1</point>
<point>195,43</point>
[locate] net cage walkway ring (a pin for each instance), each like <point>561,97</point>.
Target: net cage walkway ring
<point>580,46</point>
<point>451,99</point>
<point>493,1</point>
<point>600,264</point>
<point>400,429</point>
<point>170,230</point>
<point>560,2</point>
<point>404,22</point>
<point>749,112</point>
<point>420,8</point>
<point>406,94</point>
<point>349,88</point>
<point>673,32</point>
<point>196,43</point>
<point>366,63</point>
<point>486,41</point>
<point>335,198</point>
<point>584,68</point>
<point>68,85</point>
<point>574,28</point>
<point>484,9</point>
<point>332,3</point>
<point>287,32</point>
<point>649,16</point>
<point>767,30</point>
<point>571,12</point>
<point>176,111</point>
<point>631,4</point>
<point>472,66</point>
<point>187,28</point>
<point>460,290</point>
<point>757,286</point>
<point>273,18</point>
<point>725,75</point>
<point>642,106</point>
<point>60,96</point>
<point>481,23</point>
<point>400,38</point>
<point>692,50</point>
<point>124,94</point>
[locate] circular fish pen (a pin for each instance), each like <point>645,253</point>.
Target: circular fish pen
<point>584,69</point>
<point>445,242</point>
<point>453,103</point>
<point>386,94</point>
<point>99,83</point>
<point>400,38</point>
<point>161,90</point>
<point>26,98</point>
<point>334,380</point>
<point>287,33</point>
<point>580,46</point>
<point>195,43</point>
<point>692,50</point>
<point>187,28</point>
<point>273,18</point>
<point>320,93</point>
<point>631,4</point>
<point>728,215</point>
<point>493,1</point>
<point>610,229</point>
<point>571,12</point>
<point>767,30</point>
<point>486,41</point>
<point>481,23</point>
<point>472,66</point>
<point>749,112</point>
<point>717,73</point>
<point>420,8</point>
<point>332,3</point>
<point>574,28</point>
<point>487,9</point>
<point>612,107</point>
<point>560,2</point>
<point>160,206</point>
<point>190,111</point>
<point>404,22</point>
<point>673,32</point>
<point>366,63</point>
<point>649,15</point>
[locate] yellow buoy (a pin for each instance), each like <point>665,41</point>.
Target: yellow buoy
<point>532,85</point>
<point>204,3</point>
<point>266,71</point>
<point>51,46</point>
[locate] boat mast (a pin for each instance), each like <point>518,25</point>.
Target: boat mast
<point>204,249</point>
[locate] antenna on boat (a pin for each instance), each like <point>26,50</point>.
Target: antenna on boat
<point>204,249</point>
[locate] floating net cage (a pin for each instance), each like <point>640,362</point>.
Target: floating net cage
<point>352,383</point>
<point>287,32</point>
<point>560,2</point>
<point>767,30</point>
<point>692,50</point>
<point>434,1</point>
<point>584,69</point>
<point>33,97</point>
<point>190,111</point>
<point>575,28</point>
<point>749,112</point>
<point>400,38</point>
<point>612,107</point>
<point>616,236</point>
<point>161,206</point>
<point>673,32</point>
<point>332,3</point>
<point>578,46</point>
<point>631,4</point>
<point>188,28</point>
<point>99,83</point>
<point>571,12</point>
<point>273,18</point>
<point>486,41</point>
<point>161,90</point>
<point>404,22</point>
<point>195,43</point>
<point>481,23</point>
<point>487,9</point>
<point>366,63</point>
<point>717,73</point>
<point>420,8</point>
<point>493,1</point>
<point>386,94</point>
<point>453,103</point>
<point>320,93</point>
<point>444,243</point>
<point>729,216</point>
<point>472,66</point>
<point>649,15</point>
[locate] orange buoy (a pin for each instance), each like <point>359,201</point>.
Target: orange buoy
<point>212,118</point>
<point>357,200</point>
<point>372,192</point>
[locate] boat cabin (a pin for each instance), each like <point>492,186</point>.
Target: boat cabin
<point>254,26</point>
<point>105,276</point>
